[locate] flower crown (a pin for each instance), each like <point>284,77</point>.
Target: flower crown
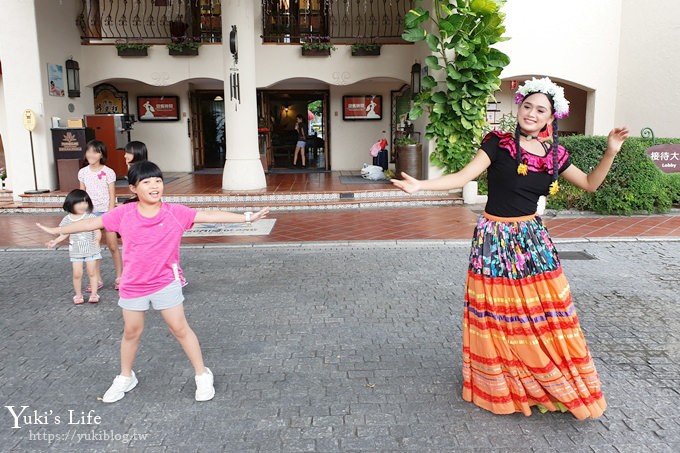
<point>548,87</point>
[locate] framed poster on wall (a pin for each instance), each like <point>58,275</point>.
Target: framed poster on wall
<point>362,107</point>
<point>158,108</point>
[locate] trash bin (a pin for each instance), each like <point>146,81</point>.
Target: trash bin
<point>409,159</point>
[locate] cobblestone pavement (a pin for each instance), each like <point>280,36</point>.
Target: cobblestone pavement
<point>327,348</point>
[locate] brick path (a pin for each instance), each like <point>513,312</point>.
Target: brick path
<point>330,348</point>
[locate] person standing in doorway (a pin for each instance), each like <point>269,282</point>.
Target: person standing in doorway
<point>301,141</point>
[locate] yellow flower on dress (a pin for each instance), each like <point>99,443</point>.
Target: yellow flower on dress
<point>554,188</point>
<point>522,169</point>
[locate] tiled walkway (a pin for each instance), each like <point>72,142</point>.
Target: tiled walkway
<point>425,223</point>
<point>451,223</point>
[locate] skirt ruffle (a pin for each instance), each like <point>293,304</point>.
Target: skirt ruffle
<point>522,342</point>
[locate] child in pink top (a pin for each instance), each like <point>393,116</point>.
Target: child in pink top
<point>99,181</point>
<point>151,231</point>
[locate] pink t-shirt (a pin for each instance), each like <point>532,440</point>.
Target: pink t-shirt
<point>97,186</point>
<point>150,246</point>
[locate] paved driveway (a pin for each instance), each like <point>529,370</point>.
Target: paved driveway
<point>327,348</point>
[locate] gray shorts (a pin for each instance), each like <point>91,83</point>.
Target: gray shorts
<point>165,298</point>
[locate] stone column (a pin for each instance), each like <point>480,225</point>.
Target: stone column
<point>243,169</point>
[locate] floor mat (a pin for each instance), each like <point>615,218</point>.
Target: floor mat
<point>260,228</point>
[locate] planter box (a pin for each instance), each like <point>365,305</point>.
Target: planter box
<point>366,52</point>
<point>189,52</point>
<point>409,159</point>
<point>133,52</point>
<point>316,53</point>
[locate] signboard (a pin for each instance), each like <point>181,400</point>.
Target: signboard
<point>29,120</point>
<point>666,157</point>
<point>367,107</point>
<point>158,108</point>
<point>69,143</point>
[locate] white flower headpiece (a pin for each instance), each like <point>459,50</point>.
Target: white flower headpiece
<point>548,87</point>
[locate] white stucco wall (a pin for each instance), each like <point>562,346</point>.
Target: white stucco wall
<point>575,41</point>
<point>47,35</point>
<point>649,69</point>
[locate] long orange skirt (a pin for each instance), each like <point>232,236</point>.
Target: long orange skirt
<point>522,342</point>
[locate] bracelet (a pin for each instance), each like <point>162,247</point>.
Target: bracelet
<point>248,214</point>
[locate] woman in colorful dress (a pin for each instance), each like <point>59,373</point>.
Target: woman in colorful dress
<point>522,342</point>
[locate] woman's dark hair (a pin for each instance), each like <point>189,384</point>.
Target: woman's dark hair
<point>300,117</point>
<point>555,173</point>
<point>77,196</point>
<point>143,170</point>
<point>98,147</point>
<point>138,151</point>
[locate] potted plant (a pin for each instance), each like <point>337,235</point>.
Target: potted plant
<point>129,49</point>
<point>364,49</point>
<point>184,46</point>
<point>3,176</point>
<point>408,156</point>
<point>317,47</point>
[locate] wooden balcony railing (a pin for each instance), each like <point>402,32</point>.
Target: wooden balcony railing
<point>151,21</point>
<point>293,21</point>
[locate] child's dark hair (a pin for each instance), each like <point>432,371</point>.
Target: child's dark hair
<point>77,196</point>
<point>98,147</point>
<point>143,170</point>
<point>138,151</point>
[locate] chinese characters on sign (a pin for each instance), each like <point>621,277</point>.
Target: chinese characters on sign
<point>666,157</point>
<point>158,108</point>
<point>362,107</point>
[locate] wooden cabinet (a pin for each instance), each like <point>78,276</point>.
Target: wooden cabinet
<point>108,129</point>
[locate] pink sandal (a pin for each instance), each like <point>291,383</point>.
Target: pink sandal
<point>78,299</point>
<point>94,298</point>
<point>100,285</point>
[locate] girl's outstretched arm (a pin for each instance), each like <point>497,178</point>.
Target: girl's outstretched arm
<point>53,243</point>
<point>590,182</point>
<point>228,217</point>
<point>92,224</point>
<point>456,180</point>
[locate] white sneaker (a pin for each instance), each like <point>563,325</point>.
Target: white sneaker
<point>120,386</point>
<point>204,386</point>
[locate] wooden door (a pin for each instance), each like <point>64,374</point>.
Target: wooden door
<point>194,128</point>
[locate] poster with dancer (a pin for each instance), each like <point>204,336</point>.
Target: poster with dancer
<point>158,108</point>
<point>367,107</point>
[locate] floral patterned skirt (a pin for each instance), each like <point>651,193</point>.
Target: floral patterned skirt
<point>522,342</point>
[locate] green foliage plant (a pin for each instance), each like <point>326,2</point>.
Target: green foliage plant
<point>405,140</point>
<point>317,43</point>
<point>461,40</point>
<point>121,46</point>
<point>366,46</point>
<point>634,184</point>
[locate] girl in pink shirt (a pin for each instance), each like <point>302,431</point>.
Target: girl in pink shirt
<point>151,231</point>
<point>99,181</point>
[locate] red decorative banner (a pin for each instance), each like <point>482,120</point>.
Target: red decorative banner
<point>362,107</point>
<point>158,108</point>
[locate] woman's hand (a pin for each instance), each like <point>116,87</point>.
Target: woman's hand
<point>409,184</point>
<point>261,214</point>
<point>50,230</point>
<point>615,140</point>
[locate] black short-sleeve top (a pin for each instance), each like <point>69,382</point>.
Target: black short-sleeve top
<point>512,194</point>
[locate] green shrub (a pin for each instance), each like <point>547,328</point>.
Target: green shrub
<point>674,187</point>
<point>633,185</point>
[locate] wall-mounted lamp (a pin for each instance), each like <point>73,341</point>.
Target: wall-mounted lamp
<point>285,109</point>
<point>73,78</point>
<point>218,98</point>
<point>415,79</point>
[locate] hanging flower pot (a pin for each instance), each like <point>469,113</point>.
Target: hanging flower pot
<point>132,50</point>
<point>365,50</point>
